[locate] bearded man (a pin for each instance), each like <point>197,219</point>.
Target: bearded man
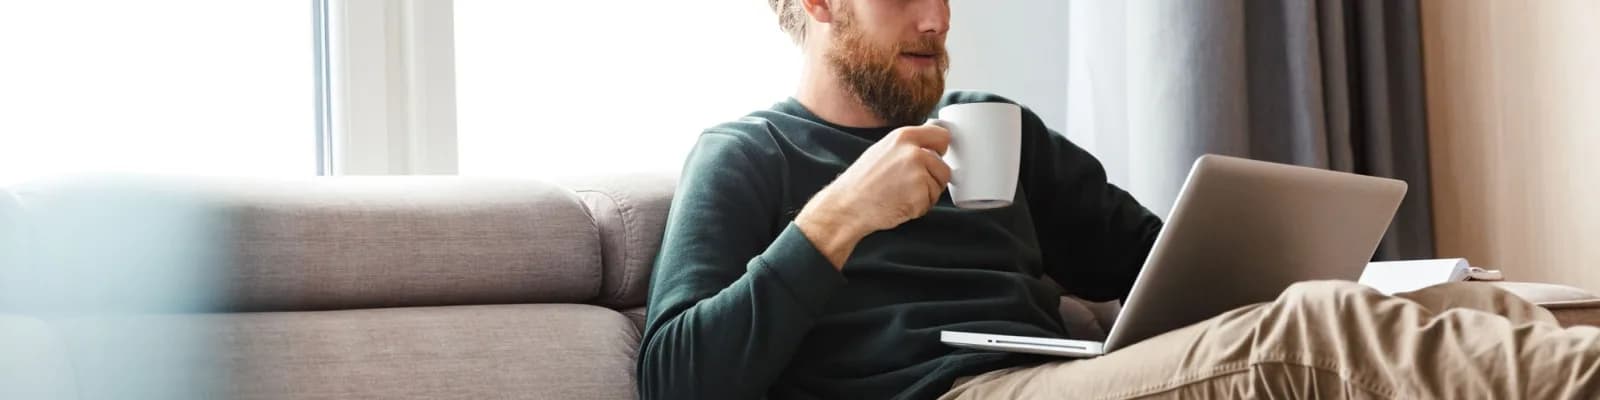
<point>811,252</point>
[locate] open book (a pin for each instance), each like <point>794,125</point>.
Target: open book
<point>1392,277</point>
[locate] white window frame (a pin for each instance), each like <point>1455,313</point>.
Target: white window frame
<point>391,87</point>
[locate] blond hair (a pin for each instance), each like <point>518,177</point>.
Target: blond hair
<point>791,17</point>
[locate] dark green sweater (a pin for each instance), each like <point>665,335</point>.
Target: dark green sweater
<point>743,306</point>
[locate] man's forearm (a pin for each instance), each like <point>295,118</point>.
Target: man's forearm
<point>712,348</point>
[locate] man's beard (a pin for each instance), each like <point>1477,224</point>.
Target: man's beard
<point>868,72</point>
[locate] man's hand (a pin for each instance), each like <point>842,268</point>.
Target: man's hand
<point>896,180</point>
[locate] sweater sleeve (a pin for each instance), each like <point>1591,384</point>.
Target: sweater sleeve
<point>729,301</point>
<point>1094,236</point>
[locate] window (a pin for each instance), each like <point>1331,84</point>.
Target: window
<point>597,87</point>
<point>169,87</point>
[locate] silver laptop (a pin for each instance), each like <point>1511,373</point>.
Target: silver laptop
<point>1240,232</point>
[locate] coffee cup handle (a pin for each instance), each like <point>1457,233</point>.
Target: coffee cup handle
<point>949,127</point>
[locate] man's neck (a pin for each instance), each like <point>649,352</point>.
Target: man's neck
<point>822,92</point>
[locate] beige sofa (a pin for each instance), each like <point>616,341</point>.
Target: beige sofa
<point>365,287</point>
<point>369,287</point>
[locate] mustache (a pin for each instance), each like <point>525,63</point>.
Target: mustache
<point>927,46</point>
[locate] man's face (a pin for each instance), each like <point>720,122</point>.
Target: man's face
<point>890,54</point>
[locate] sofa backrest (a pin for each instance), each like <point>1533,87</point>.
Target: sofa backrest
<point>359,242</point>
<point>376,242</point>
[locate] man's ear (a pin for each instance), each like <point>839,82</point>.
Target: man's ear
<point>819,10</point>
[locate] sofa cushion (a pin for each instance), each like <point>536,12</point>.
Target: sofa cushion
<point>528,351</point>
<point>339,243</point>
<point>631,211</point>
<point>636,315</point>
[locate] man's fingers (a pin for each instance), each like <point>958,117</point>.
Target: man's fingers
<point>934,190</point>
<point>931,137</point>
<point>937,167</point>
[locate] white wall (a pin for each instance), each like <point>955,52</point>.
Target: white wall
<point>541,96</point>
<point>162,87</point>
<point>1013,48</point>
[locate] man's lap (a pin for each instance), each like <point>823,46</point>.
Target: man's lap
<point>1319,338</point>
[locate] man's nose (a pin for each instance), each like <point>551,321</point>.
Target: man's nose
<point>933,16</point>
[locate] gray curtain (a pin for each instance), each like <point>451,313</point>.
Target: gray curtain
<point>1325,83</point>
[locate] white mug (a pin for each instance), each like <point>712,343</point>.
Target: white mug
<point>985,151</point>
